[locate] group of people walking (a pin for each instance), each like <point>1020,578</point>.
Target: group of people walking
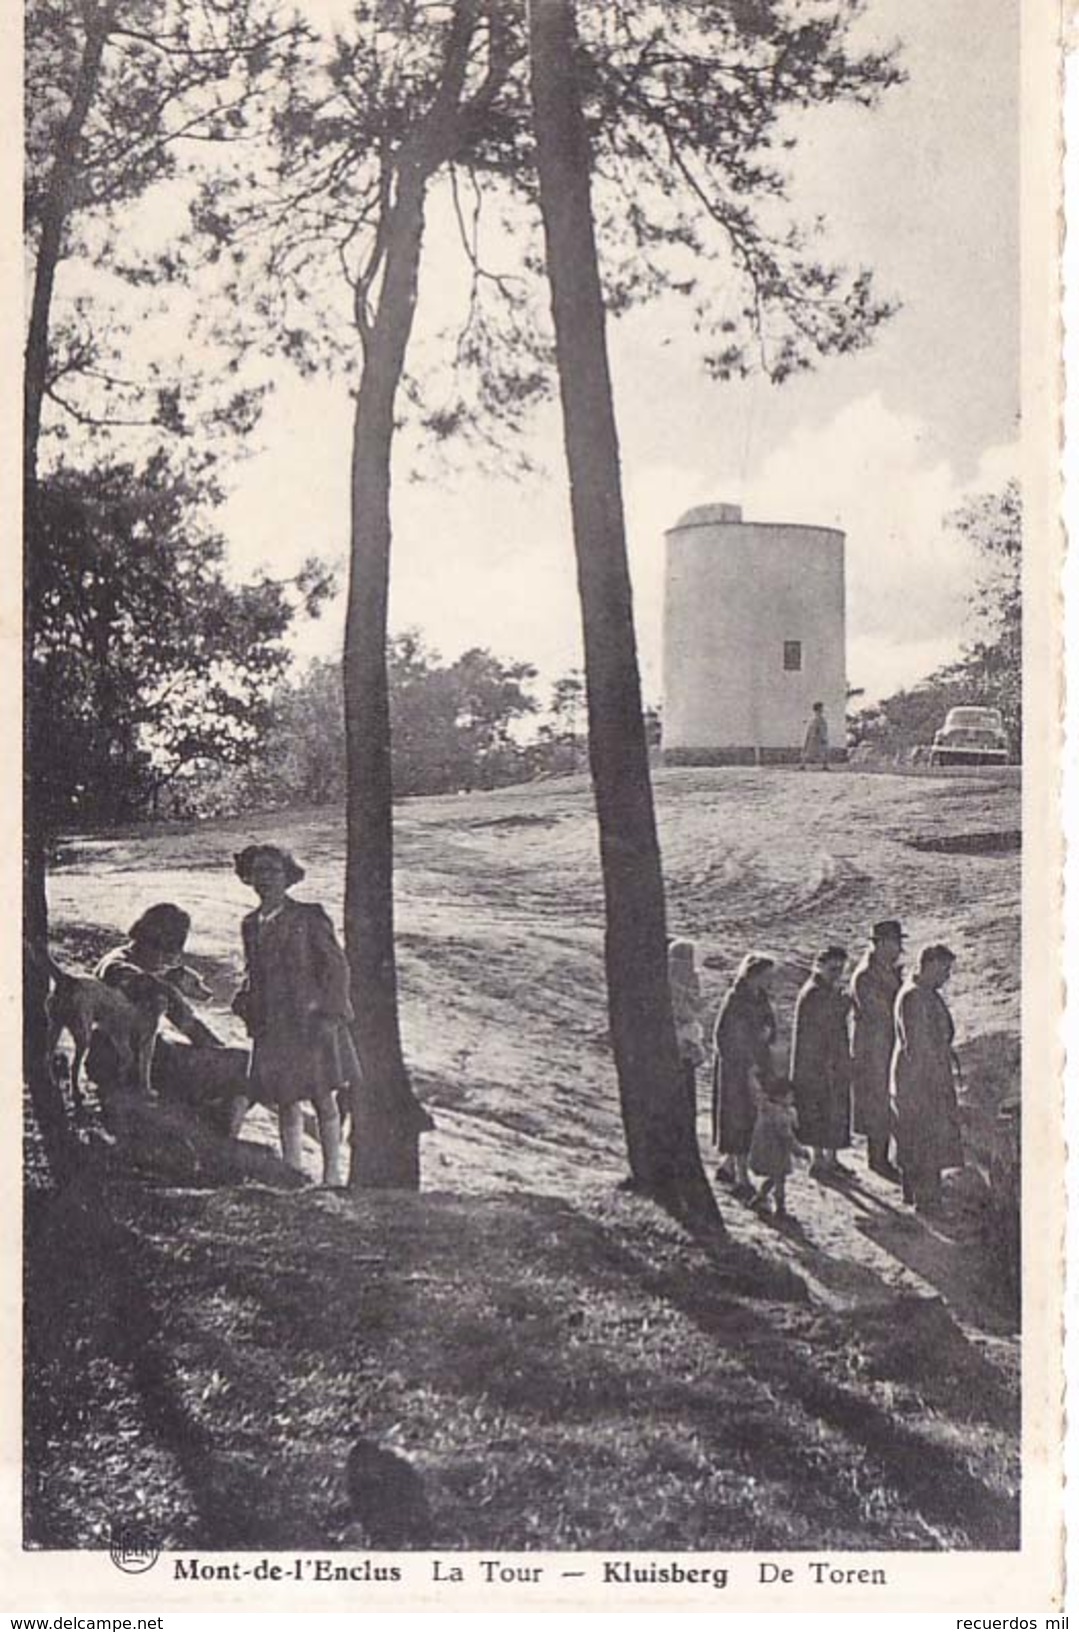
<point>872,1055</point>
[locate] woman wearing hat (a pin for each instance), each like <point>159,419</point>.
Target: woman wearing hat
<point>295,1004</point>
<point>820,1064</point>
<point>744,1034</point>
<point>927,1130</point>
<point>874,988</point>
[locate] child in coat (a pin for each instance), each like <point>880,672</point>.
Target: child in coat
<point>774,1143</point>
<point>295,1004</point>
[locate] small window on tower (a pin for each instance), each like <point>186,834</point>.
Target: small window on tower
<point>792,655</point>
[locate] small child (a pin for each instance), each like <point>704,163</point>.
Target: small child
<point>686,1002</point>
<point>774,1143</point>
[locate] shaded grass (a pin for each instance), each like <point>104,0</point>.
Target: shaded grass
<point>561,1377</point>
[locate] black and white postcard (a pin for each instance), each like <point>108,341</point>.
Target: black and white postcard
<point>536,744</point>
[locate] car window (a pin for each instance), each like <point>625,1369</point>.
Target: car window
<point>974,717</point>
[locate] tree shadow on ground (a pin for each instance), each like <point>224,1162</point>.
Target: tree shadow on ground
<point>948,1254</point>
<point>261,1332</point>
<point>928,1474</point>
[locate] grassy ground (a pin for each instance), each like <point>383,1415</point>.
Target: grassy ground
<point>563,1368</point>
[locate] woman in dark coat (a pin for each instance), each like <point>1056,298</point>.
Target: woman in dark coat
<point>820,1064</point>
<point>744,1033</point>
<point>927,1128</point>
<point>874,988</point>
<point>295,1004</point>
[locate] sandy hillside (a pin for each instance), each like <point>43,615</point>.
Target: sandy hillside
<point>500,944</point>
<point>563,1367</point>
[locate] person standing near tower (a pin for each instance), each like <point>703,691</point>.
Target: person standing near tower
<point>815,746</point>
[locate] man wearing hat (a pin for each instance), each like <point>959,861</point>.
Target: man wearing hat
<point>874,988</point>
<point>928,1136</point>
<point>820,1064</point>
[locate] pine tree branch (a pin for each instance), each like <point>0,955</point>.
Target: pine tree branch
<point>95,421</point>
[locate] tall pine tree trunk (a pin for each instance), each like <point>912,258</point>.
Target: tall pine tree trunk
<point>387,1120</point>
<point>661,1138</point>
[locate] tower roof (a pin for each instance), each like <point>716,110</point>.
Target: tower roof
<point>707,515</point>
<point>730,515</point>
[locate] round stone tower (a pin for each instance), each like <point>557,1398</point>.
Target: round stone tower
<point>753,635</point>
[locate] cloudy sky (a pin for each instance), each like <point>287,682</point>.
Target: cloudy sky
<point>883,445</point>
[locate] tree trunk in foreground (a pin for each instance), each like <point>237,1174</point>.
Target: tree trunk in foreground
<point>661,1137</point>
<point>45,1096</point>
<point>388,1119</point>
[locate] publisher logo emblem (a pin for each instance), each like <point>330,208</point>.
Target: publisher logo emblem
<point>133,1548</point>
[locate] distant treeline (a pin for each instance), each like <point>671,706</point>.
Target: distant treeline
<point>164,689</point>
<point>159,687</point>
<point>475,722</point>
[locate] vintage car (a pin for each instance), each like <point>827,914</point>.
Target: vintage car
<point>970,736</point>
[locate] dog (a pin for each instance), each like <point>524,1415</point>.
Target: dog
<point>190,984</point>
<point>82,1004</point>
